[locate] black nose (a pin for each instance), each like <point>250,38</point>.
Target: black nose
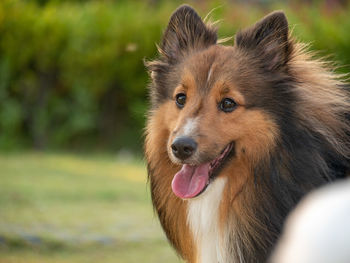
<point>183,147</point>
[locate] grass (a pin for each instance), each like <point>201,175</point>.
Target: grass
<point>77,208</point>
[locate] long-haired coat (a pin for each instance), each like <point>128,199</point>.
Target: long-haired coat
<point>236,135</point>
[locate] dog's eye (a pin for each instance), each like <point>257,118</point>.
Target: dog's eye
<point>227,105</point>
<point>180,100</point>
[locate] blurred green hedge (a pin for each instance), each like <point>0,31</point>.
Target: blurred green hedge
<point>72,75</point>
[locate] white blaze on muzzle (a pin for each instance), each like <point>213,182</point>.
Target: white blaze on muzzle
<point>190,128</point>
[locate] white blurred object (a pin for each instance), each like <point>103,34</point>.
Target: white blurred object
<point>318,230</point>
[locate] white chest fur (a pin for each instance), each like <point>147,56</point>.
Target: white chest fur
<point>202,217</point>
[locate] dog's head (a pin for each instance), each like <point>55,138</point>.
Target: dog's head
<point>217,103</point>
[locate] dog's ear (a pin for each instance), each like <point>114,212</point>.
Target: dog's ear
<point>269,37</point>
<point>185,32</point>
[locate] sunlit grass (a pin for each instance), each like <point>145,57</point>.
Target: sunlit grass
<point>77,208</point>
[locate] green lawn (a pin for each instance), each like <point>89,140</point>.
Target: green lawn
<point>77,208</point>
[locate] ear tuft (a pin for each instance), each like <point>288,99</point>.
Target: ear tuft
<point>185,32</point>
<point>269,37</point>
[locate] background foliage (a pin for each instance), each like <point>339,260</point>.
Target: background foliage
<point>72,74</point>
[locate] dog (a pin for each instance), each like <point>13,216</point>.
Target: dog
<point>237,135</point>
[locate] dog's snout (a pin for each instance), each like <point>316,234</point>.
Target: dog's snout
<point>183,147</point>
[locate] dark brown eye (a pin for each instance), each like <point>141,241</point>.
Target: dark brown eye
<point>180,100</point>
<point>227,105</point>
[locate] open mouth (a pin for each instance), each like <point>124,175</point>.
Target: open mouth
<point>192,180</point>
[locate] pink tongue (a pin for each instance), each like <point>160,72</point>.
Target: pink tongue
<point>190,180</point>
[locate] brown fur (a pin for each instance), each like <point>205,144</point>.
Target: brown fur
<point>289,129</point>
<point>174,210</point>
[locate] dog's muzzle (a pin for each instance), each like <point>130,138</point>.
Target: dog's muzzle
<point>183,147</point>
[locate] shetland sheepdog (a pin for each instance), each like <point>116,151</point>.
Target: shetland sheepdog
<point>236,135</point>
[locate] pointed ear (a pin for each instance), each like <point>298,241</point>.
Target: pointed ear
<point>269,37</point>
<point>185,32</point>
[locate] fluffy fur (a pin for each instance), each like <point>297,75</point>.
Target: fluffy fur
<point>290,134</point>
